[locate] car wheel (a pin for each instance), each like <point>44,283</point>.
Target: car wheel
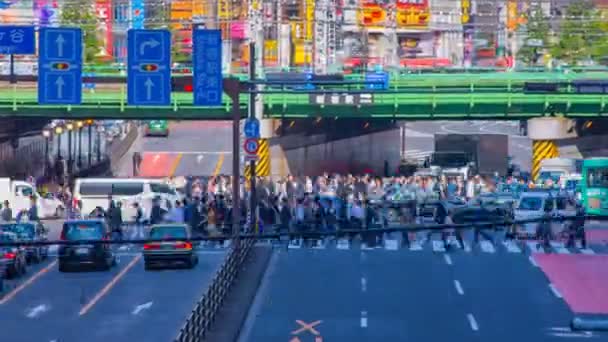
<point>147,266</point>
<point>114,261</point>
<point>191,262</point>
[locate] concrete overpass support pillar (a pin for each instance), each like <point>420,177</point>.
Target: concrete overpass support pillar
<point>544,132</point>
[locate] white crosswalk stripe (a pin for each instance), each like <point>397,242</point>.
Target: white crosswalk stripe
<point>511,246</point>
<point>559,247</point>
<point>487,247</point>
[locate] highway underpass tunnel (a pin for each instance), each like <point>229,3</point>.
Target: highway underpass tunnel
<point>541,150</point>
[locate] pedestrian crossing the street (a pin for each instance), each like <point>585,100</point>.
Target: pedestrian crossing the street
<point>438,246</point>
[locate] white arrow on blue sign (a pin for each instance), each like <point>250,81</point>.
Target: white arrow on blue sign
<point>252,128</point>
<point>60,66</point>
<point>149,67</point>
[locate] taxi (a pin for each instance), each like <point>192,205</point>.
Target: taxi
<point>157,128</point>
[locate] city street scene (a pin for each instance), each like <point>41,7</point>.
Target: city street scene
<point>303,170</point>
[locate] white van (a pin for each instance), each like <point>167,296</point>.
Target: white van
<point>18,194</point>
<point>532,204</point>
<point>95,192</point>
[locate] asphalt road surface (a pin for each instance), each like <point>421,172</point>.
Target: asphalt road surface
<point>484,294</point>
<point>202,148</point>
<point>126,303</point>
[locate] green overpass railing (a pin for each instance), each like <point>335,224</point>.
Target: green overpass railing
<point>402,105</point>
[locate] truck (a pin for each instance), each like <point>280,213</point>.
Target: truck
<point>19,194</point>
<point>471,154</point>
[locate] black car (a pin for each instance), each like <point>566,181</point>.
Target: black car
<point>436,211</point>
<point>14,258</point>
<point>171,252</point>
<point>31,232</point>
<point>98,255</point>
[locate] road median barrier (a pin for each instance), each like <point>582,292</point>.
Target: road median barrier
<point>589,323</point>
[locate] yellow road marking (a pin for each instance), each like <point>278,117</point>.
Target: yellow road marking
<point>28,282</point>
<point>218,166</point>
<point>108,286</point>
<point>173,168</point>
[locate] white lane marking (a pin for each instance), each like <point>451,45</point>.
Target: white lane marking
<point>467,247</point>
<point>438,246</point>
<point>561,329</point>
<point>458,287</point>
<point>363,319</point>
<point>487,247</point>
<point>37,311</point>
<point>555,291</point>
<point>448,259</point>
<point>472,322</point>
<point>141,308</point>
<point>532,261</point>
<point>587,251</point>
<point>123,248</point>
<point>199,158</point>
<point>363,284</point>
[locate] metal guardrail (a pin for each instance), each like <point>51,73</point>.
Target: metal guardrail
<point>200,321</point>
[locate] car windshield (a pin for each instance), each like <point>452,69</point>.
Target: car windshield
<point>83,230</point>
<point>22,230</point>
<point>168,232</point>
<point>530,203</point>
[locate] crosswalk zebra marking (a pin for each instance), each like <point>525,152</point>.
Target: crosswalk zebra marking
<point>415,246</point>
<point>438,246</point>
<point>391,245</point>
<point>511,246</point>
<point>533,246</point>
<point>587,251</point>
<point>487,247</point>
<point>343,244</point>
<point>559,247</point>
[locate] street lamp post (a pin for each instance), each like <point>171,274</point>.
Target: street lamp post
<point>79,124</point>
<point>70,127</point>
<point>100,129</point>
<point>47,135</point>
<point>58,132</point>
<point>90,146</point>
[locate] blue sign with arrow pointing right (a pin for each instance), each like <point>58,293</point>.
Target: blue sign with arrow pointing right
<point>149,68</point>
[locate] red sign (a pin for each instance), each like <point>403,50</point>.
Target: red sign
<point>251,146</point>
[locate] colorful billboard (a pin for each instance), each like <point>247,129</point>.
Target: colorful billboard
<point>413,13</point>
<point>46,12</point>
<point>103,9</point>
<point>372,13</point>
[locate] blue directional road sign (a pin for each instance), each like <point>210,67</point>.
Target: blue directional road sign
<point>377,80</point>
<point>252,128</point>
<point>149,65</point>
<point>207,60</point>
<point>60,66</point>
<point>17,40</point>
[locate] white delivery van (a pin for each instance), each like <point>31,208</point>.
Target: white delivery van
<point>18,194</point>
<point>95,192</point>
<point>532,204</point>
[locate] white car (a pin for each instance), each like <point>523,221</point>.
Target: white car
<point>531,205</point>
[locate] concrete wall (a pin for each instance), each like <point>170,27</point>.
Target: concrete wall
<point>306,155</point>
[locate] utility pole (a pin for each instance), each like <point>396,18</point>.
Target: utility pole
<point>251,116</point>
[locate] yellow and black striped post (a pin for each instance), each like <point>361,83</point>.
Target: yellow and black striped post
<point>542,149</point>
<point>262,166</point>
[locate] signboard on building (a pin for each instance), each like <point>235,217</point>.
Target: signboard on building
<point>372,13</point>
<point>466,12</point>
<point>413,13</point>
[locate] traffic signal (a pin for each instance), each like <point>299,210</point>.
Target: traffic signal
<point>149,67</point>
<point>60,66</point>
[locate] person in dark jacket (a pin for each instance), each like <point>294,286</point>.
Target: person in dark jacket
<point>157,213</point>
<point>115,219</point>
<point>32,213</point>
